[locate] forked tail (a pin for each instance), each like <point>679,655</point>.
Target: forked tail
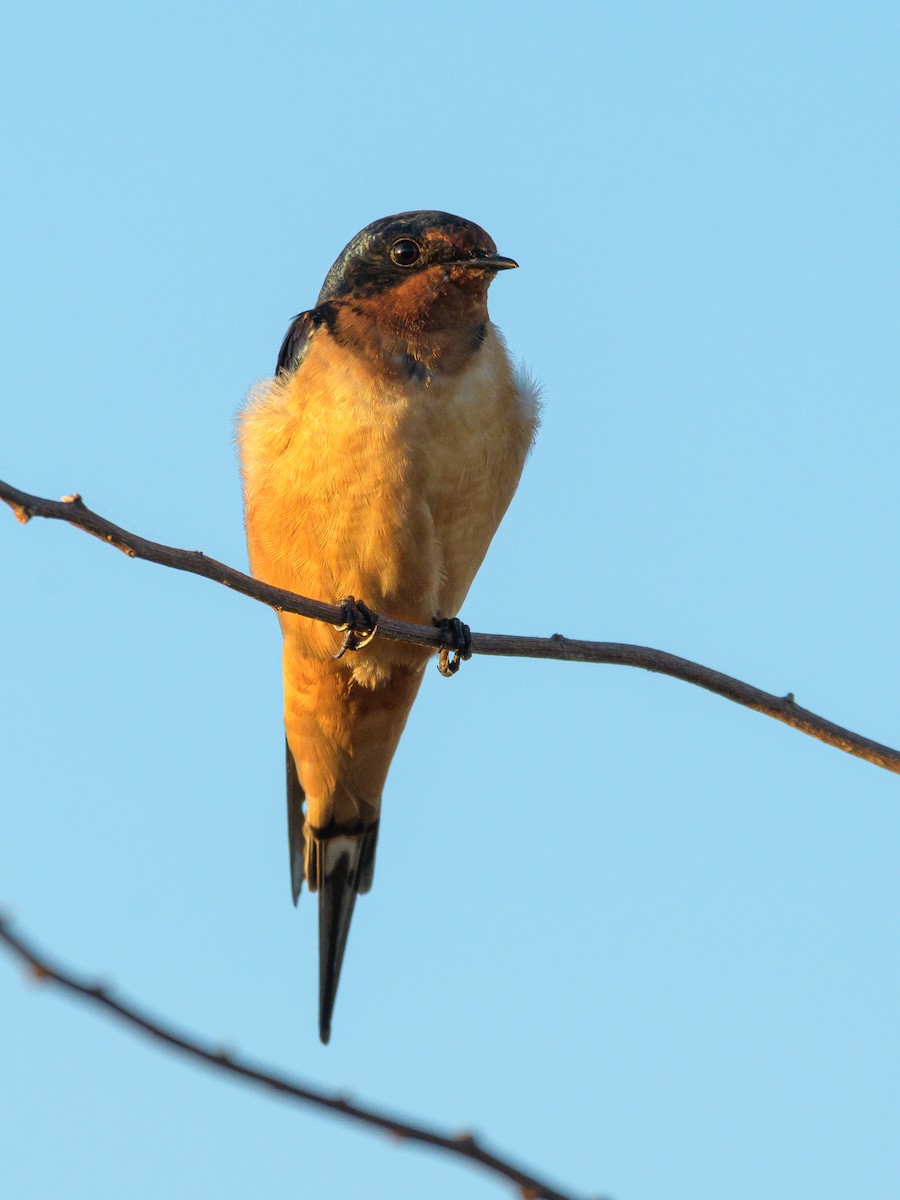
<point>338,864</point>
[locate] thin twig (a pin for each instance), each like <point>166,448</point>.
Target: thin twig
<point>73,510</point>
<point>463,1145</point>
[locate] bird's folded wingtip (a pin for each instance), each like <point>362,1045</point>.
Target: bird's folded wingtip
<point>296,835</point>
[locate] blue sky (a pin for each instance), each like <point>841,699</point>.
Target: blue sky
<point>637,936</point>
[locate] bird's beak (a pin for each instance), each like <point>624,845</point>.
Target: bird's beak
<point>492,262</point>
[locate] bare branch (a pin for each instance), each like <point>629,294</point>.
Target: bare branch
<point>463,1145</point>
<point>783,708</point>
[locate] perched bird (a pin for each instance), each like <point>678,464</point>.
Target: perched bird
<point>376,464</point>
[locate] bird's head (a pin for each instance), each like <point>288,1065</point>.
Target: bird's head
<point>415,285</point>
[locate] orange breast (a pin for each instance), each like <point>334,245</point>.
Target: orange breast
<point>390,492</point>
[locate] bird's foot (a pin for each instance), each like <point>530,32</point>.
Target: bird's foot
<point>456,636</point>
<point>359,626</point>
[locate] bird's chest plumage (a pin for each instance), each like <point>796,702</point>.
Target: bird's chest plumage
<point>388,491</point>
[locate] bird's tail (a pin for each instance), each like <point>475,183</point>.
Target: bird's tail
<point>338,864</point>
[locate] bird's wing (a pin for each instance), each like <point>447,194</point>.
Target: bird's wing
<point>296,838</point>
<point>296,340</point>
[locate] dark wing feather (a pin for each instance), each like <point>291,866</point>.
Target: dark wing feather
<point>296,341</point>
<point>296,838</point>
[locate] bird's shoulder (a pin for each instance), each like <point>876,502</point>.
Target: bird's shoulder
<point>299,336</point>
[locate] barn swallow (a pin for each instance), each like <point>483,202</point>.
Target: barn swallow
<point>377,464</point>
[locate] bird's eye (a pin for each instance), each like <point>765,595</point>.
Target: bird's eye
<point>405,252</point>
